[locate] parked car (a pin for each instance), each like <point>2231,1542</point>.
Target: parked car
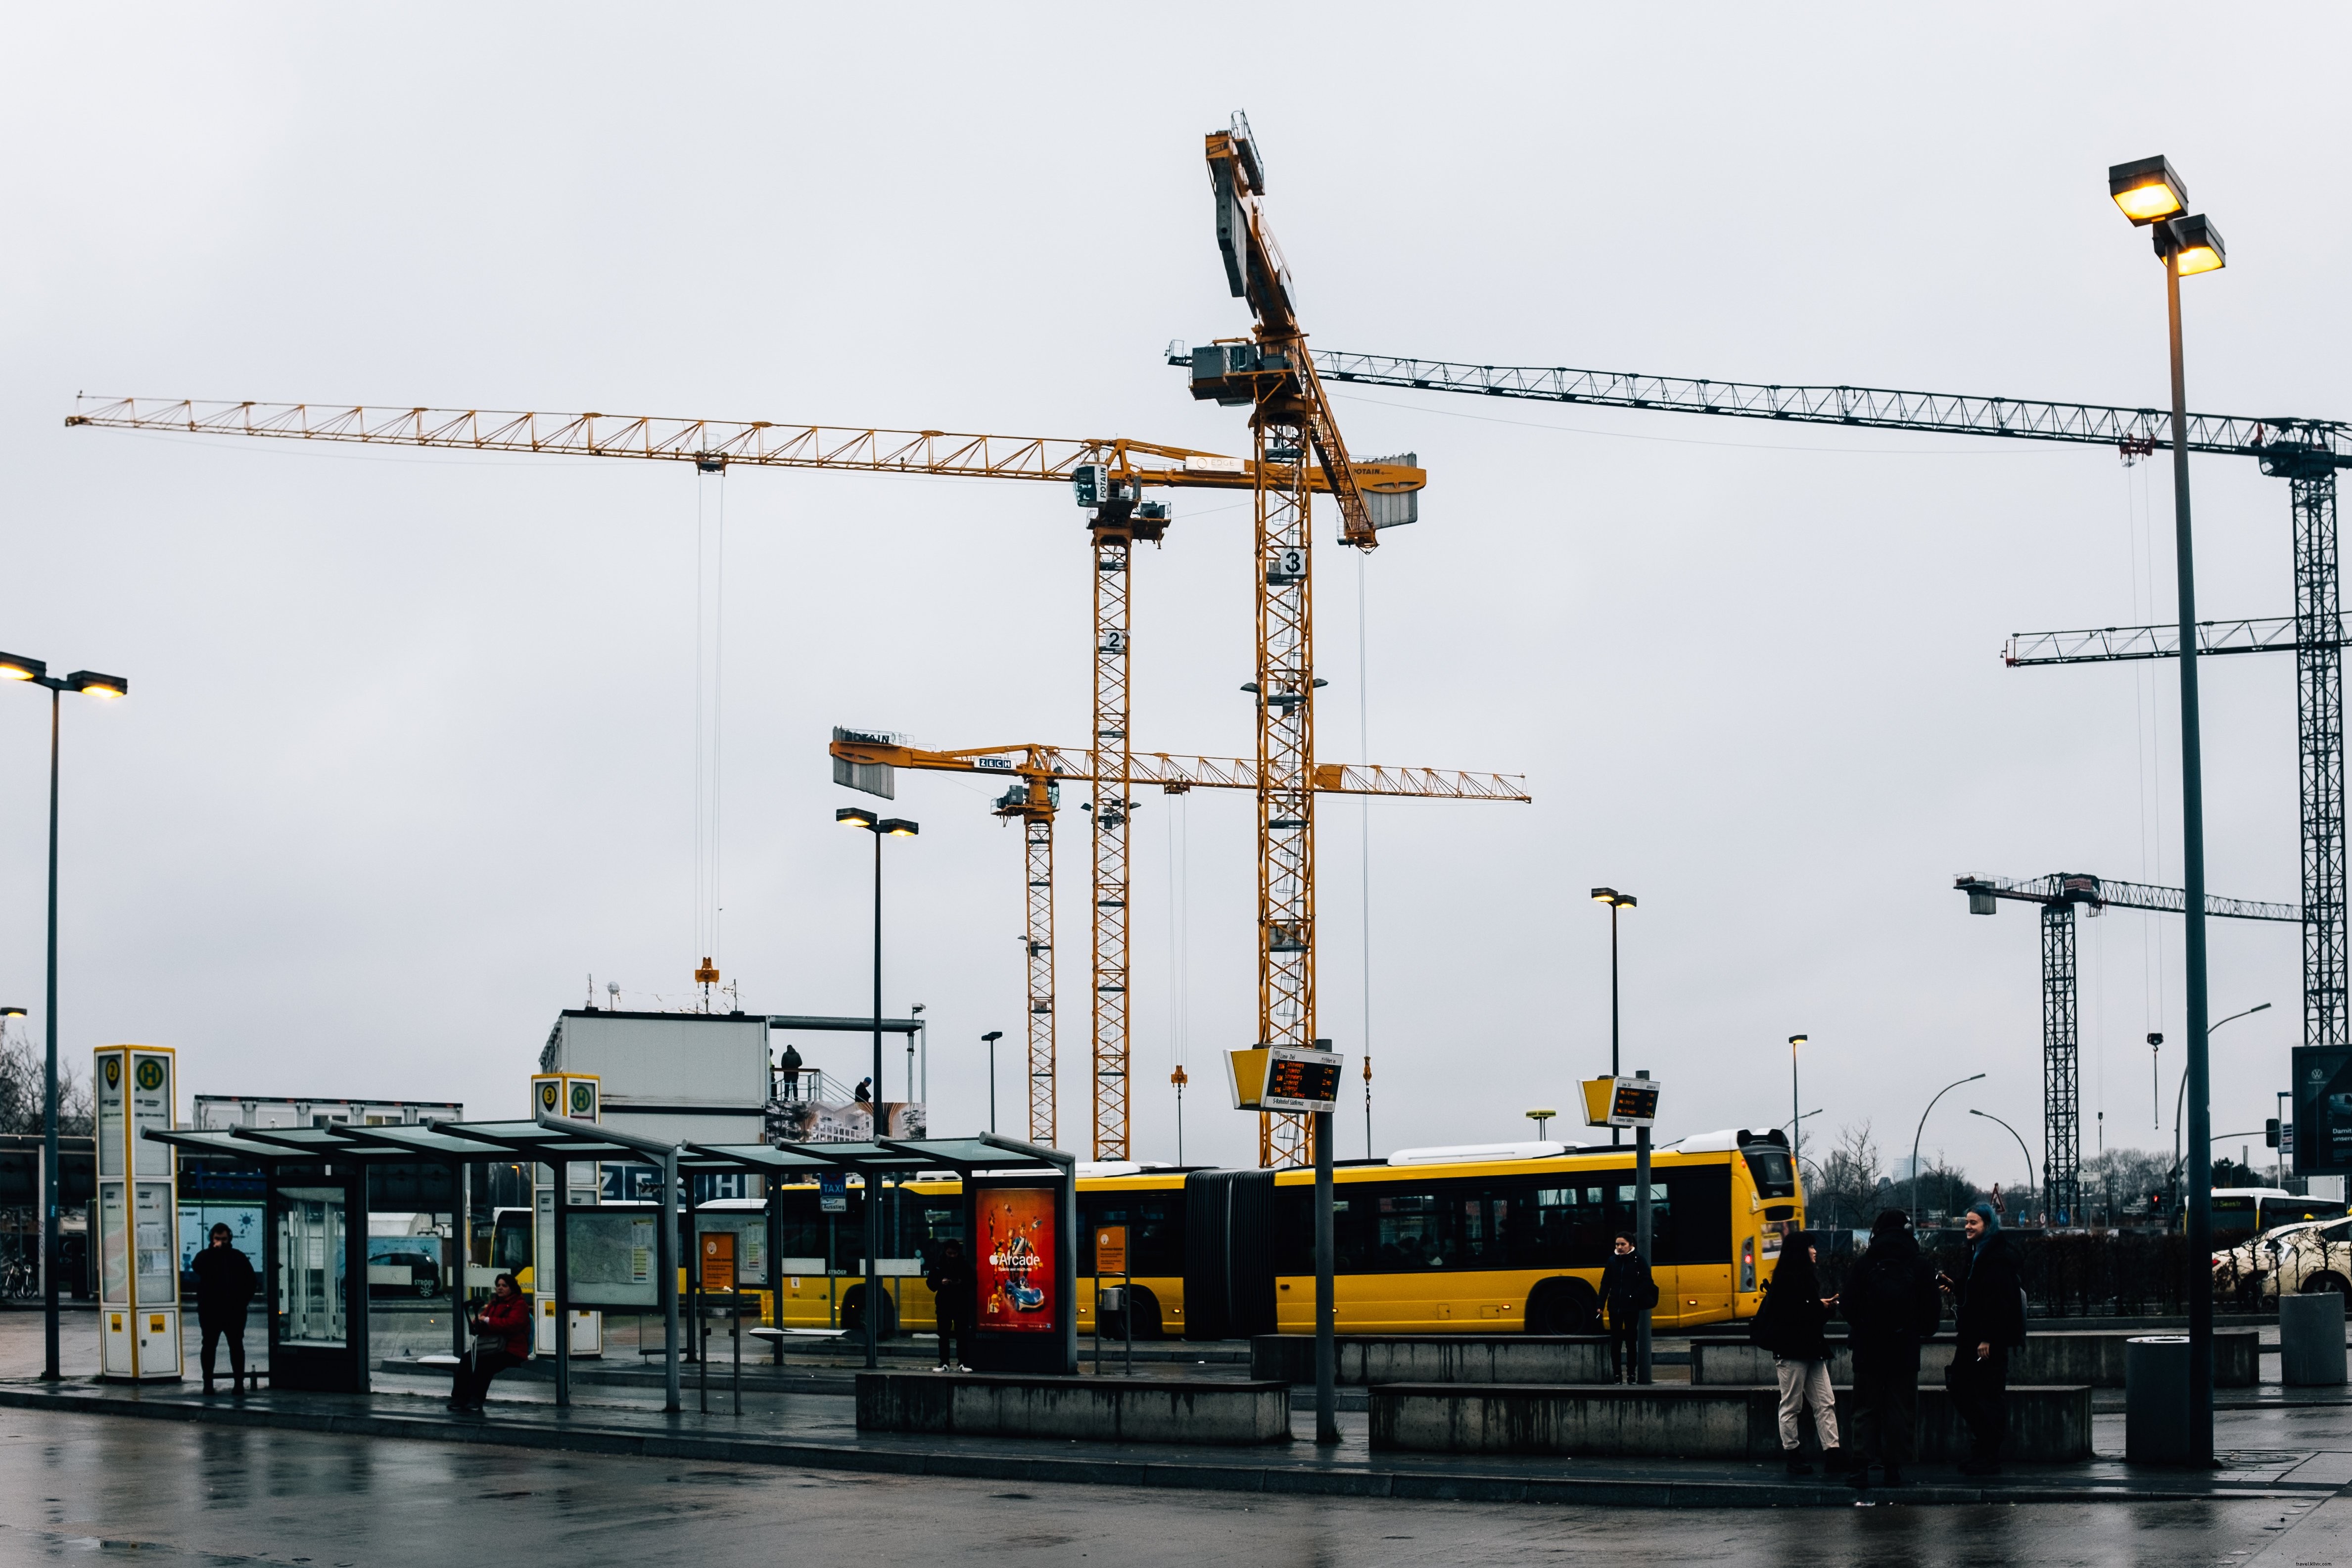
<point>2311,1255</point>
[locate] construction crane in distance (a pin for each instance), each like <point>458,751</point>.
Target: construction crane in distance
<point>2060,894</point>
<point>2306,453</point>
<point>1108,476</point>
<point>1271,373</point>
<point>868,762</point>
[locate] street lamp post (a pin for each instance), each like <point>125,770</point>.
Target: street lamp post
<point>2180,1101</point>
<point>2022,1149</point>
<point>1615,900</point>
<point>881,827</point>
<point>107,688</point>
<point>1796,1115</point>
<point>1923,1128</point>
<point>2153,196</point>
<point>989,1041</point>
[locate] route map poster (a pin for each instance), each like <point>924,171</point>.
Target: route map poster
<point>1014,1267</point>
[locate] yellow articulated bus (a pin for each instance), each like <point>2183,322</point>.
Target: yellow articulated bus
<point>822,1256</point>
<point>1475,1240</point>
<point>1479,1241</point>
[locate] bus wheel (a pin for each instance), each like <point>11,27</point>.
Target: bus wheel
<point>1147,1317</point>
<point>853,1313</point>
<point>1563,1307</point>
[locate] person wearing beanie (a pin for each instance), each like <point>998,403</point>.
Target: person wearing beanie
<point>1891,1308</point>
<point>1989,1306</point>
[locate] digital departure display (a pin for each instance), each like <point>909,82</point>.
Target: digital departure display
<point>1297,1081</point>
<point>1636,1100</point>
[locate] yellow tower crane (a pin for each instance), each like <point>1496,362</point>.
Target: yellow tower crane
<point>1272,375</point>
<point>865,761</point>
<point>1107,475</point>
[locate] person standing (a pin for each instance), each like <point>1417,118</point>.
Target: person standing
<point>788,1068</point>
<point>1790,1324</point>
<point>950,1279</point>
<point>226,1285</point>
<point>1988,1304</point>
<point>1891,1308</point>
<point>501,1340</point>
<point>1627,1291</point>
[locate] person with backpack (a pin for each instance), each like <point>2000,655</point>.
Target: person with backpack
<point>1988,1306</point>
<point>1790,1324</point>
<point>1627,1291</point>
<point>1891,1308</point>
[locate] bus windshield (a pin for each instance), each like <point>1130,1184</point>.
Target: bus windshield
<point>1768,1165</point>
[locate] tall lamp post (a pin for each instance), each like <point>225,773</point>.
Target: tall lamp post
<point>1796,1114</point>
<point>881,827</point>
<point>1615,900</point>
<point>1921,1129</point>
<point>2154,197</point>
<point>990,1039</point>
<point>2012,1131</point>
<point>2180,1101</point>
<point>106,687</point>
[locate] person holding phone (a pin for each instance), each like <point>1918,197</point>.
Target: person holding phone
<point>1989,1306</point>
<point>501,1340</point>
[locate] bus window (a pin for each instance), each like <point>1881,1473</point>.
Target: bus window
<point>1768,1167</point>
<point>1155,1229</point>
<point>1409,1231</point>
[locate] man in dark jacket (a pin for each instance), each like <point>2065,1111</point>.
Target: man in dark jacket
<point>1627,1291</point>
<point>1891,1308</point>
<point>950,1279</point>
<point>1988,1303</point>
<point>225,1284</point>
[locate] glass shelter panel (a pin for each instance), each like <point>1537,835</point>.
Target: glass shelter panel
<point>311,1265</point>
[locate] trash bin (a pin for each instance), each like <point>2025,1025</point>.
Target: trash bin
<point>2155,1400</point>
<point>2311,1339</point>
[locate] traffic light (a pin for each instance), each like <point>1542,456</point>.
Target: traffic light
<point>2271,1133</point>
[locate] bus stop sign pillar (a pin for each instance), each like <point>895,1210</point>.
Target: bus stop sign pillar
<point>1641,1234</point>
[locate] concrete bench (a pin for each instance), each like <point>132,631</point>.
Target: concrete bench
<point>1095,1409</point>
<point>1437,1358</point>
<point>2093,1356</point>
<point>2046,1425</point>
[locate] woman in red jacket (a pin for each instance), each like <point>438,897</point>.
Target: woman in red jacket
<point>501,1340</point>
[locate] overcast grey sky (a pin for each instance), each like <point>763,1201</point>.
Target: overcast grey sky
<point>410,750</point>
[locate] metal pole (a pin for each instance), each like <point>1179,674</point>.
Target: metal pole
<point>49,1188</point>
<point>2192,881</point>
<point>561,1170</point>
<point>1923,1128</point>
<point>874,1108</point>
<point>1327,1408</point>
<point>668,1260</point>
<point>1796,1114</point>
<point>1641,1237</point>
<point>1616,1134</point>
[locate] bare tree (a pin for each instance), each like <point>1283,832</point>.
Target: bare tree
<point>1846,1183</point>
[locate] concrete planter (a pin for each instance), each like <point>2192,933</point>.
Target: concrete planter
<point>2093,1356</point>
<point>1092,1409</point>
<point>1440,1358</point>
<point>2046,1425</point>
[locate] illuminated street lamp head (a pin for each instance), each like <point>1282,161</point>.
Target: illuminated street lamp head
<point>1614,899</point>
<point>106,687</point>
<point>899,828</point>
<point>2194,245</point>
<point>2148,190</point>
<point>11,1011</point>
<point>854,816</point>
<point>12,668</point>
<point>1795,1040</point>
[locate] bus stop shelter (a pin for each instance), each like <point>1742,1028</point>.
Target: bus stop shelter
<point>316,1270</point>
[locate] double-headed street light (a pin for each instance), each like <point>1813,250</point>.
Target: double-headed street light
<point>881,827</point>
<point>106,687</point>
<point>2154,197</point>
<point>1615,900</point>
